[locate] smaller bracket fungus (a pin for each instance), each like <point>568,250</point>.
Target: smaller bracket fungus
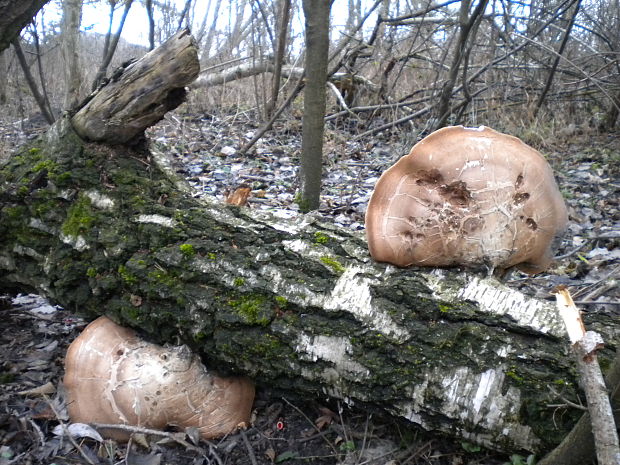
<point>470,197</point>
<point>114,377</point>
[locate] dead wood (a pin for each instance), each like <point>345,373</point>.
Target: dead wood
<point>139,94</point>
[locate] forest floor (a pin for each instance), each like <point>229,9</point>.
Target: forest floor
<point>289,430</point>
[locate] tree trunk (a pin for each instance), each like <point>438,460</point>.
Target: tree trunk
<point>295,303</point>
<point>14,15</point>
<point>39,97</point>
<point>148,5</point>
<point>3,82</point>
<point>467,32</point>
<point>283,19</point>
<point>557,58</point>
<point>71,19</point>
<point>111,42</point>
<point>316,13</point>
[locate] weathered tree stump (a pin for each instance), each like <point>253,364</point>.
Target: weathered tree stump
<point>295,302</point>
<point>139,94</point>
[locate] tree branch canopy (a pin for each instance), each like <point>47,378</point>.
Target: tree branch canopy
<point>290,300</point>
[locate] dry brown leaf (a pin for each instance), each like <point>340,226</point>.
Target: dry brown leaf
<point>327,418</point>
<point>239,197</point>
<point>271,454</point>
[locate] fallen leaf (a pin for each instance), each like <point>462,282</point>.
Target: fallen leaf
<point>239,197</point>
<point>78,430</point>
<point>284,456</point>
<point>327,418</point>
<point>271,454</point>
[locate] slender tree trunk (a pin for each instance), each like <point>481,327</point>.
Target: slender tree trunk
<point>316,13</point>
<point>32,84</point>
<point>285,9</point>
<point>558,57</point>
<point>184,15</point>
<point>611,117</point>
<point>149,12</point>
<point>199,32</point>
<point>466,33</point>
<point>207,45</point>
<point>71,19</point>
<point>40,71</point>
<point>111,44</point>
<point>266,24</point>
<point>3,82</point>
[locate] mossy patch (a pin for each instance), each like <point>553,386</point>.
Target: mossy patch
<point>334,264</point>
<point>127,276</point>
<point>48,165</point>
<point>187,250</point>
<point>304,204</point>
<point>6,378</point>
<point>268,347</point>
<point>512,374</point>
<point>253,308</point>
<point>80,218</point>
<point>320,238</point>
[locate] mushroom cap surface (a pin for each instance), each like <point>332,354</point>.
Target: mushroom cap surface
<point>114,377</point>
<point>470,197</point>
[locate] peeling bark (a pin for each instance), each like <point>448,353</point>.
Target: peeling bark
<point>293,301</point>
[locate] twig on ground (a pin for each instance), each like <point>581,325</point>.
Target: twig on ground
<point>66,432</point>
<point>174,436</point>
<point>567,403</point>
<point>248,446</point>
<point>313,425</point>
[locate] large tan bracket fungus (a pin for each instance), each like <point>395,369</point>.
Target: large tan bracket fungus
<point>114,377</point>
<point>467,196</point>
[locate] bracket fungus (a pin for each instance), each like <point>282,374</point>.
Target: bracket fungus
<point>470,197</point>
<point>114,377</point>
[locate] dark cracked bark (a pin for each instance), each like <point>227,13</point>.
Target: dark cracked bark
<point>14,16</point>
<point>294,302</point>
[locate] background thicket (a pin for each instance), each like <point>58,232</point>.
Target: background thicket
<point>537,69</point>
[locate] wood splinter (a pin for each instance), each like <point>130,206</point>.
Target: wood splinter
<point>585,344</point>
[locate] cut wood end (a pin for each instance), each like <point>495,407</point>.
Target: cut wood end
<point>570,314</point>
